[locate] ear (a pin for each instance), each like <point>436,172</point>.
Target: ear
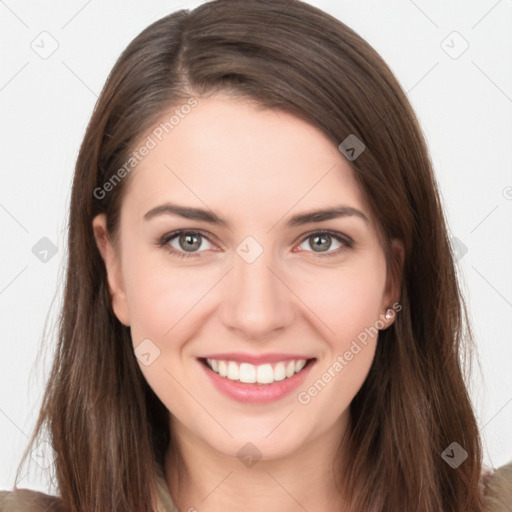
<point>394,279</point>
<point>112,260</point>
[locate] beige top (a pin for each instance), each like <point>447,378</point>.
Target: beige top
<point>27,500</point>
<point>165,503</point>
<point>497,486</point>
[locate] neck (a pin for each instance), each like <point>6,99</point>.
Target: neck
<point>203,479</point>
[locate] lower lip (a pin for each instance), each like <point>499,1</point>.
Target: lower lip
<point>257,393</point>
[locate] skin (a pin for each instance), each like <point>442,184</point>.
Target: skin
<point>255,168</point>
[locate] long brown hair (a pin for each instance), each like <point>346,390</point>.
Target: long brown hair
<point>107,427</point>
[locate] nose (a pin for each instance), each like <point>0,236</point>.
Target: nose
<point>256,299</point>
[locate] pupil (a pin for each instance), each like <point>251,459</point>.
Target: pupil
<point>320,238</point>
<point>190,242</point>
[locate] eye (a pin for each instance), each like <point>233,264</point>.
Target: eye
<point>186,243</point>
<point>183,244</point>
<point>323,240</point>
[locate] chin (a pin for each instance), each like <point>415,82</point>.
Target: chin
<point>265,440</point>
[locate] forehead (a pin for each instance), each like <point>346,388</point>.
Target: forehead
<point>230,156</point>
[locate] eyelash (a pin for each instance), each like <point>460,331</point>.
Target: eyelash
<point>163,242</point>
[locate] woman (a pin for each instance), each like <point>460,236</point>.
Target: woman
<point>211,356</point>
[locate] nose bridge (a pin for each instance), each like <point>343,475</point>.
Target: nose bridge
<point>257,301</point>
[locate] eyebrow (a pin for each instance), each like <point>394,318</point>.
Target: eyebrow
<point>209,216</point>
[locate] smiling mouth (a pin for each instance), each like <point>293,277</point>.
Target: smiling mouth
<point>267,373</point>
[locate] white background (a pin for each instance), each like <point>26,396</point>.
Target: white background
<point>464,105</point>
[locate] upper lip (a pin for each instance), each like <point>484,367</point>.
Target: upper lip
<point>255,359</point>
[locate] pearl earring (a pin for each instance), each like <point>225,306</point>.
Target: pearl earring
<point>389,314</point>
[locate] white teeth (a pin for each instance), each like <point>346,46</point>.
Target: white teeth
<point>262,374</point>
<point>265,374</point>
<point>223,369</point>
<point>233,371</point>
<point>299,365</point>
<point>247,372</point>
<point>279,372</point>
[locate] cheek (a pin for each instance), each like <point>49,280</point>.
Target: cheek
<point>345,364</point>
<point>347,304</point>
<point>163,300</point>
<point>346,300</point>
<point>161,296</point>
<point>328,394</point>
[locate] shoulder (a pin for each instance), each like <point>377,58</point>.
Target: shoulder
<point>27,500</point>
<point>497,489</point>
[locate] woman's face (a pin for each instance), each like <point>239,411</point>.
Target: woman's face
<point>253,283</point>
